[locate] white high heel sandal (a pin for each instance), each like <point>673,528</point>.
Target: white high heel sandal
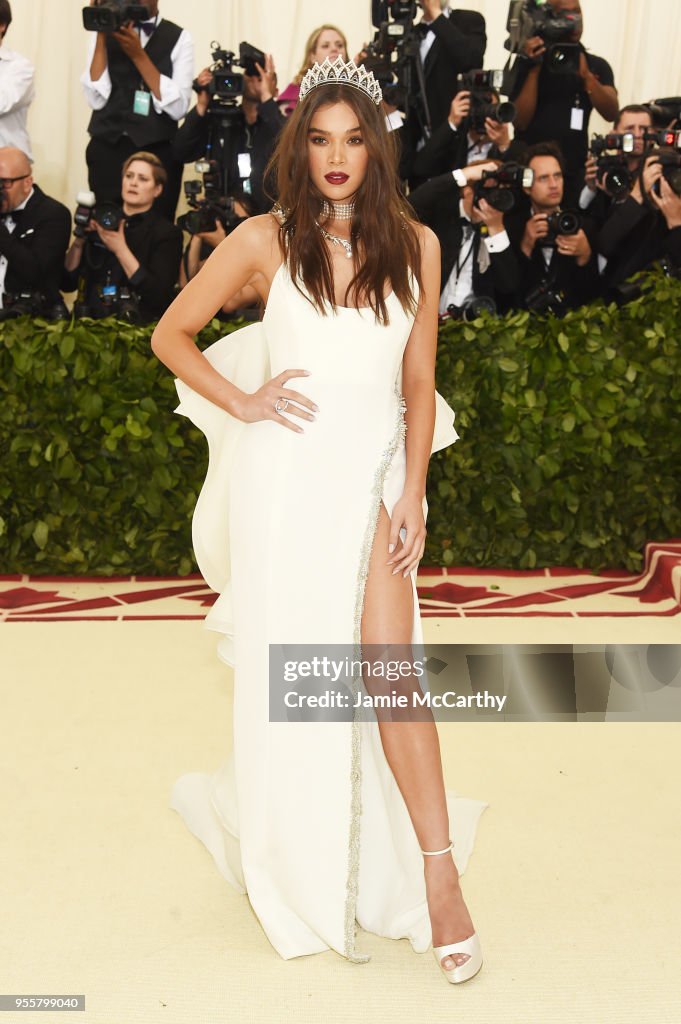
<point>470,947</point>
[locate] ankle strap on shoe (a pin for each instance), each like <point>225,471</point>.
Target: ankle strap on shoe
<point>434,853</point>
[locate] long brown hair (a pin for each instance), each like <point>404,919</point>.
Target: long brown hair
<point>382,223</point>
<point>311,46</point>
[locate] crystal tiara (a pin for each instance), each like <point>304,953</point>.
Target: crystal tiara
<point>340,73</point>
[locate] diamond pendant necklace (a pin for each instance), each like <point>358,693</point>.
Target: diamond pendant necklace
<point>337,241</point>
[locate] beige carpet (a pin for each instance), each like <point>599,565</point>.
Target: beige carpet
<point>573,884</point>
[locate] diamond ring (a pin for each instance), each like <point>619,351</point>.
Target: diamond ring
<point>281,405</point>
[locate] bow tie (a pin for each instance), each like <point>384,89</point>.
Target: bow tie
<point>14,215</point>
<point>421,30</point>
<point>147,27</point>
<point>466,224</point>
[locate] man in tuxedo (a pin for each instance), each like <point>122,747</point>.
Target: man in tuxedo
<point>450,42</point>
<point>477,258</point>
<point>562,264</point>
<point>138,82</point>
<point>34,232</point>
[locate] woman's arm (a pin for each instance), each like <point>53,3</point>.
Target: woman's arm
<point>418,388</point>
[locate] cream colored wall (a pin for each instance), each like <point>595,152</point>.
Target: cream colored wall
<point>640,38</point>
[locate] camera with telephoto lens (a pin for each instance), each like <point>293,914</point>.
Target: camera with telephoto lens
<point>528,18</point>
<point>671,171</point>
<point>611,162</point>
<point>483,85</point>
<point>472,308</point>
<point>562,222</point>
<point>35,304</point>
<point>111,15</point>
<point>666,112</point>
<point>503,187</point>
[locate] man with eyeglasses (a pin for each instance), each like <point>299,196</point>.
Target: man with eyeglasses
<point>34,233</point>
<point>16,89</point>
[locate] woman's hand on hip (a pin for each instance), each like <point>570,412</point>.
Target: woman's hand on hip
<point>274,399</point>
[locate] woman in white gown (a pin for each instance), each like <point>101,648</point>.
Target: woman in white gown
<point>310,526</point>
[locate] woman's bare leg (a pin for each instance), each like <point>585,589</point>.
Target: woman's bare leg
<point>412,750</point>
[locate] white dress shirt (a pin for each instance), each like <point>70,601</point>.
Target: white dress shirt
<point>429,38</point>
<point>4,262</point>
<point>460,283</point>
<point>176,92</point>
<point>16,95</point>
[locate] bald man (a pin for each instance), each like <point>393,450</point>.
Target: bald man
<point>34,232</point>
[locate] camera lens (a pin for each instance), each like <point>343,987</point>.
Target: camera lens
<point>568,223</point>
<point>618,183</point>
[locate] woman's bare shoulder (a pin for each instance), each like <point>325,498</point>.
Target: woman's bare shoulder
<point>427,238</point>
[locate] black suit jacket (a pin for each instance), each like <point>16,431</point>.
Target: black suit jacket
<point>633,237</point>
<point>436,203</point>
<point>447,149</point>
<point>459,45</point>
<point>35,250</point>
<point>580,285</point>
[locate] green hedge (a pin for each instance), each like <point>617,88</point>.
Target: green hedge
<point>570,452</point>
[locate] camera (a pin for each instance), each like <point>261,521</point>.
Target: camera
<point>108,216</point>
<point>394,40</point>
<point>611,162</point>
<point>226,86</point>
<point>33,304</point>
<point>111,15</point>
<point>546,298</point>
<point>667,137</point>
<point>671,172</point>
<point>562,222</point>
<point>213,207</point>
<point>482,86</point>
<point>85,204</point>
<point>501,188</point>
<point>633,288</point>
<point>528,18</point>
<point>472,307</point>
<point>666,112</point>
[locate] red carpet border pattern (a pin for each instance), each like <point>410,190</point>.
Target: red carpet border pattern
<point>443,593</point>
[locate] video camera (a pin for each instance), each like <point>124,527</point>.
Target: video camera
<point>226,86</point>
<point>528,18</point>
<point>503,187</point>
<point>394,40</point>
<point>482,86</point>
<point>611,162</point>
<point>111,15</point>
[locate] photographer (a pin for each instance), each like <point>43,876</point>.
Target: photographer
<point>462,140</point>
<point>16,89</point>
<point>554,105</point>
<point>138,84</point>
<point>451,42</point>
<point>596,197</point>
<point>477,258</point>
<point>34,233</point>
<point>243,148</point>
<point>563,264</point>
<point>647,226</point>
<point>139,260</point>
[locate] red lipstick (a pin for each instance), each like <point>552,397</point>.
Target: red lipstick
<point>337,178</point>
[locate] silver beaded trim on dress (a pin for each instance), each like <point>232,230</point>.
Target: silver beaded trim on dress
<point>355,757</point>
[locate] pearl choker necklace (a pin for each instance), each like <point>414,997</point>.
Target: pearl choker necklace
<point>338,211</point>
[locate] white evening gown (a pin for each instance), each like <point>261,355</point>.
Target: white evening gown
<point>307,819</point>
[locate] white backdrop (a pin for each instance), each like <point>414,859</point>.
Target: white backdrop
<point>640,38</point>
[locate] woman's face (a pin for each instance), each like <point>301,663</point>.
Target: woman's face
<point>139,188</point>
<point>337,154</point>
<point>330,44</point>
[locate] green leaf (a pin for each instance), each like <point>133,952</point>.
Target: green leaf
<point>568,423</point>
<point>508,365</point>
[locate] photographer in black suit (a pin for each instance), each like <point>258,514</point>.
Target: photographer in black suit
<point>564,265</point>
<point>647,226</point>
<point>450,42</point>
<point>477,258</point>
<point>34,234</point>
<point>459,143</point>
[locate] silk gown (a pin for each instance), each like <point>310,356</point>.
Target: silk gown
<point>306,818</point>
